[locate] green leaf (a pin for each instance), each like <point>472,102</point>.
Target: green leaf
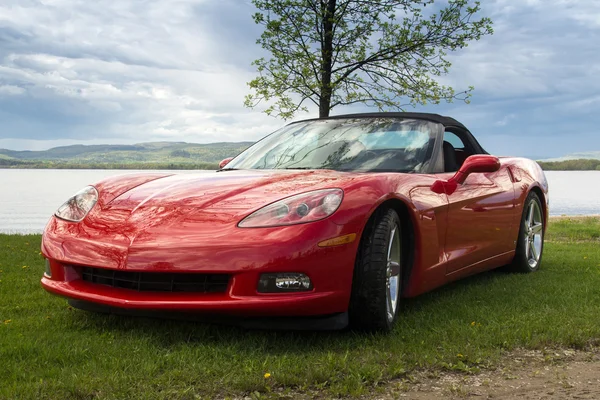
<point>382,53</point>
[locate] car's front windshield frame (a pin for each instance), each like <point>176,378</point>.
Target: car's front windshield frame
<point>382,144</point>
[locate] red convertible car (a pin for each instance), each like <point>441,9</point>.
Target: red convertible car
<point>324,222</point>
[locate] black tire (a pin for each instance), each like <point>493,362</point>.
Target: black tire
<point>369,299</point>
<point>527,258</point>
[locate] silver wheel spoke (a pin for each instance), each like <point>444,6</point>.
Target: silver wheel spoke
<point>530,214</point>
<point>390,304</point>
<point>392,236</point>
<point>534,253</point>
<point>527,248</point>
<point>536,228</point>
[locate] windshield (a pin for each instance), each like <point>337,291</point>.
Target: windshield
<point>354,144</point>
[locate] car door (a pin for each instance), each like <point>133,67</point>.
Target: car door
<point>480,211</point>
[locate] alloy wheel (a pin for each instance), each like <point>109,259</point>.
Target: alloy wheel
<point>534,226</point>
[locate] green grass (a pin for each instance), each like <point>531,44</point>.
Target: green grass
<point>50,351</point>
<point>574,229</point>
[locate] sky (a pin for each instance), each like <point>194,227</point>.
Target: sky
<point>131,71</point>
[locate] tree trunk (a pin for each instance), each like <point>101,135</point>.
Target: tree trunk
<point>328,10</point>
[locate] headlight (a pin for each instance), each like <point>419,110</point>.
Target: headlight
<point>299,209</point>
<point>77,207</point>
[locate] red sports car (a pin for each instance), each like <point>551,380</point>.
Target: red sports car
<point>324,222</point>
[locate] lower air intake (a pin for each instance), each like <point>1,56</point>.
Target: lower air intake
<point>157,281</point>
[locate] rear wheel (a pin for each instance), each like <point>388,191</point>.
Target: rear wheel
<point>530,243</point>
<point>377,274</point>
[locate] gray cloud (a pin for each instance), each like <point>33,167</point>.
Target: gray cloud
<point>535,78</point>
<point>121,71</point>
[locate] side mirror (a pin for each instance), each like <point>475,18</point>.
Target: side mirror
<point>479,163</point>
<point>223,163</point>
<point>476,164</point>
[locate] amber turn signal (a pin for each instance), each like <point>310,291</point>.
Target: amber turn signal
<point>338,240</point>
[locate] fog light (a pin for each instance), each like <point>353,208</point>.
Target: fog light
<point>48,271</point>
<point>284,282</point>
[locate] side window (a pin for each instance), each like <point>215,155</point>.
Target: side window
<point>454,140</point>
<point>455,152</point>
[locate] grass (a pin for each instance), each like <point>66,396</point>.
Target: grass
<point>50,351</point>
<point>574,229</point>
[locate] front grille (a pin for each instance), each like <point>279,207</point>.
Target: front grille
<point>157,281</point>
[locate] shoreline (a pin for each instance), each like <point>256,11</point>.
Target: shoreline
<point>200,166</point>
<point>551,218</point>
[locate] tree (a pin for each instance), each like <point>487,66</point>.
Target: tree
<point>376,52</point>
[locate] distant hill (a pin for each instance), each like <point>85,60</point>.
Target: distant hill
<point>182,155</point>
<point>589,155</point>
<point>141,155</point>
<point>586,164</point>
<point>585,161</point>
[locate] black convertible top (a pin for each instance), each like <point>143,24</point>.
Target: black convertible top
<point>446,121</point>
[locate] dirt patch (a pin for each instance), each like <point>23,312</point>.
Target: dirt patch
<point>531,375</point>
<point>522,375</point>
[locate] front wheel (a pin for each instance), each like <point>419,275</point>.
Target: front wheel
<point>530,243</point>
<point>377,274</point>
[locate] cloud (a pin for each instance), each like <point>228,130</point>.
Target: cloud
<point>124,70</point>
<point>535,79</point>
<point>11,90</point>
<point>120,71</point>
<point>504,121</point>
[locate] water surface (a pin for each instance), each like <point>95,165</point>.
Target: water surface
<point>28,197</point>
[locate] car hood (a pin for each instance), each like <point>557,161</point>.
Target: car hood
<point>210,197</point>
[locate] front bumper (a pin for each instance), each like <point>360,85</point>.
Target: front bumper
<point>311,303</point>
<point>244,254</point>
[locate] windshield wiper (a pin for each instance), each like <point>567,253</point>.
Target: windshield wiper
<point>227,169</point>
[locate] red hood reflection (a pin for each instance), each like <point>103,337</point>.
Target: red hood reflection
<point>218,197</point>
<point>144,214</point>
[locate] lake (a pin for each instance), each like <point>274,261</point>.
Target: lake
<point>29,197</point>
